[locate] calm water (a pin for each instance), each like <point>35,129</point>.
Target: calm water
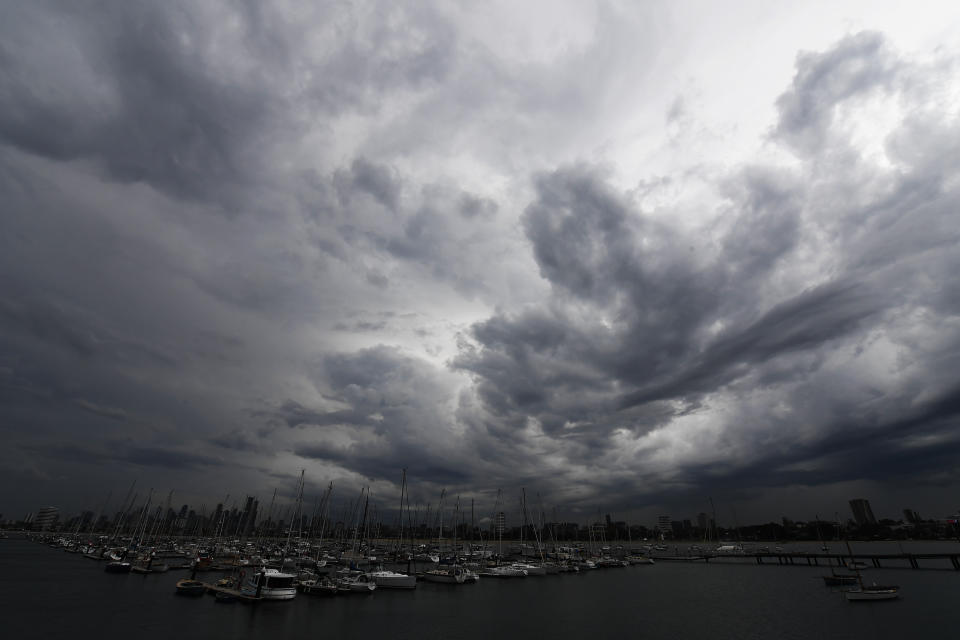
<point>46,593</point>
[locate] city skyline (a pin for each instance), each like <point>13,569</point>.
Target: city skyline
<point>626,256</point>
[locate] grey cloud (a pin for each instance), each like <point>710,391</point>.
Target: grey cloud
<point>634,307</point>
<point>396,418</point>
<point>472,206</point>
<point>855,65</point>
<point>145,456</point>
<point>808,321</point>
<point>115,413</point>
<point>141,93</point>
<point>154,109</point>
<point>49,324</point>
<point>796,327</point>
<point>376,180</point>
<point>360,326</point>
<point>295,414</point>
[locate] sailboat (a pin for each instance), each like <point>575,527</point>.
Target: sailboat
<point>392,579</point>
<point>873,591</point>
<point>447,573</point>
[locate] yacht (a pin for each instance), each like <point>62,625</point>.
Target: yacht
<point>270,584</point>
<point>451,574</point>
<point>392,580</point>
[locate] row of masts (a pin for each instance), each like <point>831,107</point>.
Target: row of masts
<point>142,524</point>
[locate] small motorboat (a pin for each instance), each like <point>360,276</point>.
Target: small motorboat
<point>188,587</point>
<point>836,579</point>
<point>872,592</point>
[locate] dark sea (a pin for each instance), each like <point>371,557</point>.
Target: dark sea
<point>47,593</point>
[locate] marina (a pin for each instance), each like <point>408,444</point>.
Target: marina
<point>663,600</point>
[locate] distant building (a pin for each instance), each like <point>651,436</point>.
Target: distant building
<point>46,518</point>
<point>862,512</point>
<point>664,525</point>
<point>249,516</point>
<point>911,516</point>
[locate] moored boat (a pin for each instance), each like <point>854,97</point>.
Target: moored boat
<point>270,584</point>
<point>872,592</point>
<point>393,580</point>
<point>836,579</point>
<point>188,587</point>
<point>319,587</point>
<point>531,569</point>
<point>356,583</point>
<point>453,574</point>
<point>505,571</point>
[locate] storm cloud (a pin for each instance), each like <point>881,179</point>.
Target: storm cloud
<point>239,241</point>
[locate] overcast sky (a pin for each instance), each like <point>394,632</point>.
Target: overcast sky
<point>628,256</point>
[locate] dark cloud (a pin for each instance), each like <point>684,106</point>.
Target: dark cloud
<point>143,456</point>
<point>147,105</point>
<point>228,229</point>
<point>650,332</point>
<point>375,180</point>
<point>115,413</point>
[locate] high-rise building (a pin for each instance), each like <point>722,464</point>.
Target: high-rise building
<point>46,518</point>
<point>249,517</point>
<point>911,516</point>
<point>664,525</point>
<point>862,512</point>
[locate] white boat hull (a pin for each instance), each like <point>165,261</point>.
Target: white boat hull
<point>505,572</point>
<point>872,594</point>
<point>276,586</point>
<point>531,569</point>
<point>391,580</point>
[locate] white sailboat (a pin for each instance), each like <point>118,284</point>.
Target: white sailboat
<point>392,579</point>
<point>863,592</point>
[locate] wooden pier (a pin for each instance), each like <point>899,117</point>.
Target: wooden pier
<point>818,558</point>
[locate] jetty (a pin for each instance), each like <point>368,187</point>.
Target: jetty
<point>817,558</point>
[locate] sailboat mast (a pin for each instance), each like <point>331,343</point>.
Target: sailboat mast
<point>286,548</point>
